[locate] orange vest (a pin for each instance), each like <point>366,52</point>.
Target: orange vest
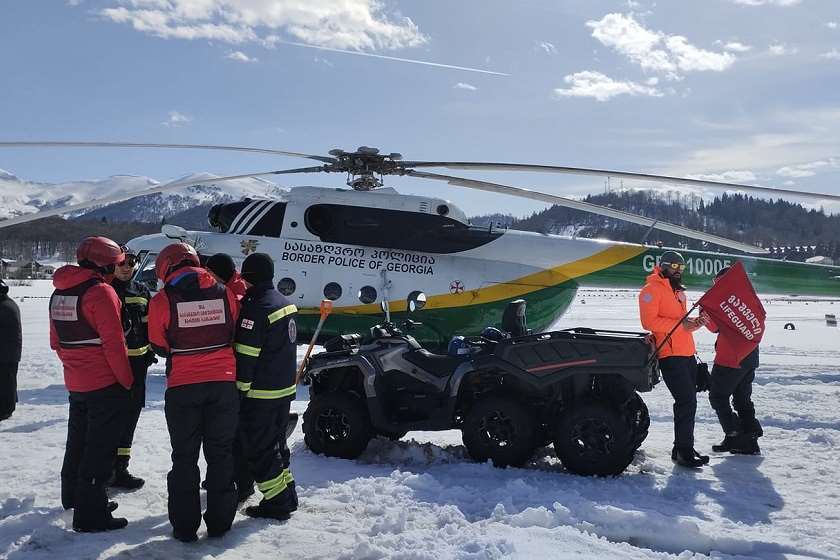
<point>660,308</point>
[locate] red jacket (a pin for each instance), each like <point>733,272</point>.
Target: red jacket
<point>726,355</point>
<point>237,285</point>
<point>93,367</point>
<point>186,369</point>
<point>660,308</point>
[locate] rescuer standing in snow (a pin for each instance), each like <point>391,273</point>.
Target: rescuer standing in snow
<point>87,334</point>
<point>192,322</point>
<point>134,297</point>
<point>662,306</point>
<point>11,343</point>
<point>265,371</point>
<point>732,379</point>
<point>223,269</point>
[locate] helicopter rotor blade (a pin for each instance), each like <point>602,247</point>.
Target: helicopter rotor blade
<point>166,187</point>
<point>50,144</point>
<point>588,207</point>
<point>494,166</point>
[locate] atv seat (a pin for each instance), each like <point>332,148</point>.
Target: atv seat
<point>436,364</point>
<point>513,319</point>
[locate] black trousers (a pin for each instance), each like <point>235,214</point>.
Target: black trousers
<point>93,430</point>
<point>735,384</point>
<point>680,376</point>
<point>139,367</point>
<point>8,388</point>
<point>262,427</point>
<point>202,414</point>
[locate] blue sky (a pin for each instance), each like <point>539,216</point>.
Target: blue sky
<point>747,90</point>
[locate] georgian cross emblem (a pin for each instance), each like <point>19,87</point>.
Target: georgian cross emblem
<point>248,246</point>
<point>456,287</point>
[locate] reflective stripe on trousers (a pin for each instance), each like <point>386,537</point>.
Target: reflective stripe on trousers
<point>275,486</point>
<point>272,394</point>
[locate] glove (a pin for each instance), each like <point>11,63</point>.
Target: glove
<point>704,380</point>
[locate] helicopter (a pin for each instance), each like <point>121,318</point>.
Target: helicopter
<point>367,245</point>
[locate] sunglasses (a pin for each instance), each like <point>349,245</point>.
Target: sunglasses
<point>130,260</point>
<point>674,266</point>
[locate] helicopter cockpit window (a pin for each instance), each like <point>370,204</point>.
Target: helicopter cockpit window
<point>262,217</point>
<point>146,271</point>
<point>395,229</point>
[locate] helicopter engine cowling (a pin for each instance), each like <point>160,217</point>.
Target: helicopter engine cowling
<point>248,216</point>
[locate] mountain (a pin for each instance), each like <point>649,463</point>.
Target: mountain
<point>18,196</point>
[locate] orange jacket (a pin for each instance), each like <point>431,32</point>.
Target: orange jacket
<point>660,308</point>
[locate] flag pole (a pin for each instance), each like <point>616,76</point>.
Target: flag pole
<point>658,348</point>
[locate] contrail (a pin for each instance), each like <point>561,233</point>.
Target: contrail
<point>395,58</point>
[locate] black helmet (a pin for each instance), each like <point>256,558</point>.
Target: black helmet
<point>671,257</point>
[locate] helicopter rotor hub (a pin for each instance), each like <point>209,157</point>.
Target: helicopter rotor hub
<point>365,167</point>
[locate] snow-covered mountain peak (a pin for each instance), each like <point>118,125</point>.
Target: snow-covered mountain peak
<point>19,196</point>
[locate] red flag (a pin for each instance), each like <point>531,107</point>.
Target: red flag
<point>736,310</point>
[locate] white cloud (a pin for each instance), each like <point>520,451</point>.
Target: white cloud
<point>736,46</point>
<point>833,54</point>
<point>780,49</point>
<point>809,169</point>
<point>240,56</point>
<point>831,24</point>
<point>347,24</point>
<point>177,119</point>
<point>324,61</point>
<point>549,48</point>
<point>601,87</point>
<point>727,177</point>
<point>463,85</point>
<point>656,51</point>
<point>784,3</point>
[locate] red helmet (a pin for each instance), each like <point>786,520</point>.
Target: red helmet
<point>100,251</point>
<point>172,256</point>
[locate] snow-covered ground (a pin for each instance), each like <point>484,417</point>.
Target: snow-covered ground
<point>422,498</point>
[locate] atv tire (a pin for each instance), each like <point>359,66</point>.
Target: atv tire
<point>639,419</point>
<point>502,430</point>
<point>337,425</point>
<point>594,438</point>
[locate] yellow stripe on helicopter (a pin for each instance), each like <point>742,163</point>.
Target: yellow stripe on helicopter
<point>514,288</point>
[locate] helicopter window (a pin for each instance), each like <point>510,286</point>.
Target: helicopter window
<point>394,229</point>
<point>286,286</point>
<point>367,294</point>
<point>332,291</point>
<point>247,216</point>
<point>319,219</point>
<point>146,272</point>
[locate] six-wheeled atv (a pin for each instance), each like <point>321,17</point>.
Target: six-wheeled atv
<point>508,392</point>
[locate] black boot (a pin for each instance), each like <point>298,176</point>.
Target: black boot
<point>124,479</point>
<point>184,537</point>
<point>751,426</point>
<point>268,510</point>
<point>745,444</point>
<point>726,444</point>
<point>688,457</point>
<point>91,513</point>
<point>244,491</point>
